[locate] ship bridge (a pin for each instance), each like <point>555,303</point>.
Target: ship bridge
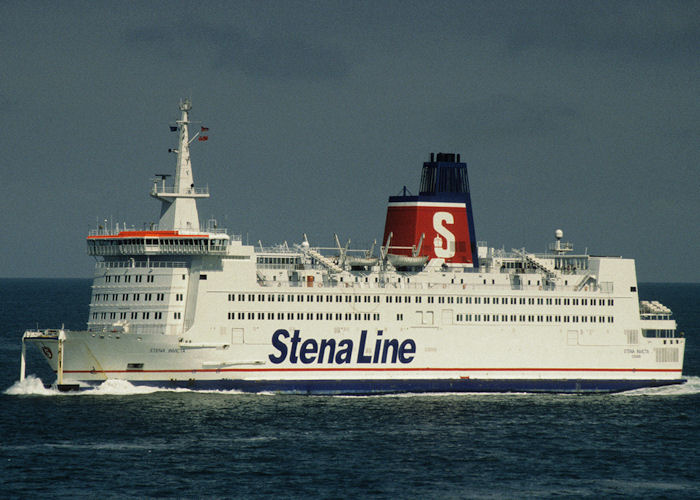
<point>104,243</point>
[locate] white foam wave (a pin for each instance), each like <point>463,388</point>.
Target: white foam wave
<point>34,386</point>
<point>30,386</point>
<point>692,386</point>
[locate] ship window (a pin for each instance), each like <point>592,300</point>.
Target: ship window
<point>251,297</point>
<point>202,276</point>
<point>633,289</point>
<point>261,298</point>
<point>280,298</point>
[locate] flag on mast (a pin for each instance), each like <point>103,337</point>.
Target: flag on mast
<point>203,137</point>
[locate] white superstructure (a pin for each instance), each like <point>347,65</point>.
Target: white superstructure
<point>184,304</point>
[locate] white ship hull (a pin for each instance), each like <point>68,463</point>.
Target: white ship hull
<point>449,359</point>
<point>180,305</point>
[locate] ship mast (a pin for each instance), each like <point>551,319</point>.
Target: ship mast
<point>179,205</point>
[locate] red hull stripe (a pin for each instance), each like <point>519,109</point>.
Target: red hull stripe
<point>248,370</point>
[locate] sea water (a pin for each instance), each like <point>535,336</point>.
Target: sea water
<point>118,440</point>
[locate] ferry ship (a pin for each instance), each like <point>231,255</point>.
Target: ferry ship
<point>431,309</point>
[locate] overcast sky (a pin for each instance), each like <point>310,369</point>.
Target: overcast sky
<point>583,116</point>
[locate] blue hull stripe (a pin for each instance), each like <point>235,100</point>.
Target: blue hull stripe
<point>364,387</point>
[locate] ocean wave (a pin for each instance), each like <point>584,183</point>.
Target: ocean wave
<point>33,386</point>
<point>30,386</point>
<point>692,386</point>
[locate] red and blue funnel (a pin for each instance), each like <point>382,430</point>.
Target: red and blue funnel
<point>441,214</point>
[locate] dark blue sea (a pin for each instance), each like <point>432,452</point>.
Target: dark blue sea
<point>119,441</point>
